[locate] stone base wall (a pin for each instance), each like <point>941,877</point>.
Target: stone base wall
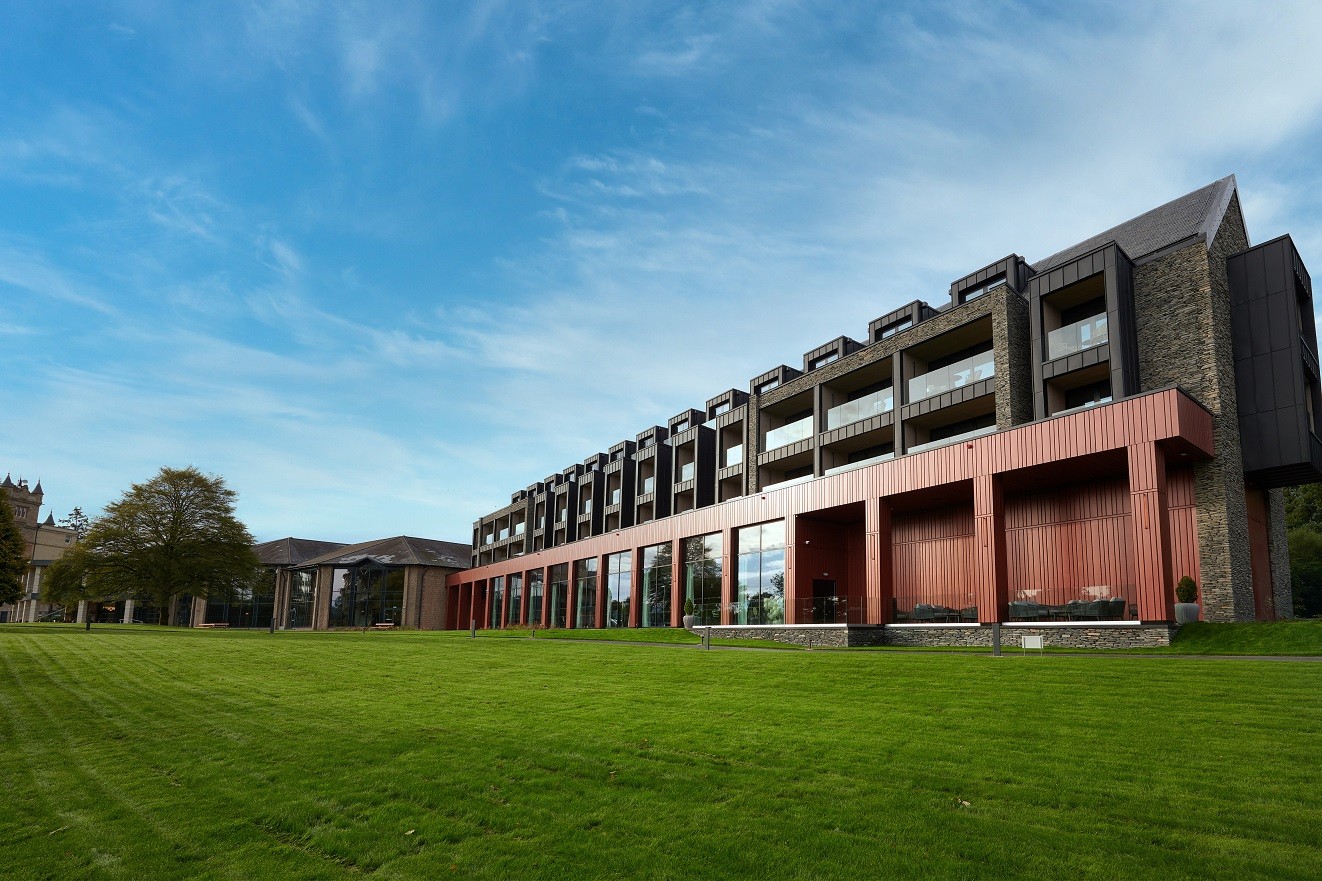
<point>1145,636</point>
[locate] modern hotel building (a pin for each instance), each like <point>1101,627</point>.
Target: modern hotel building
<point>1051,448</point>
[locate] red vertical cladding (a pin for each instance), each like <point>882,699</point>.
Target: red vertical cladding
<point>1183,508</point>
<point>729,573</point>
<point>485,618</point>
<point>989,547</point>
<point>546,597</point>
<point>1264,603</point>
<point>1151,529</point>
<point>879,577</point>
<point>792,591</point>
<point>636,589</point>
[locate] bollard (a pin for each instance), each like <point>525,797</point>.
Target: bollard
<point>996,640</point>
<point>706,639</point>
<point>472,628</point>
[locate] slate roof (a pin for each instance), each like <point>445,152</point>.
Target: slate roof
<point>292,551</point>
<point>1194,214</point>
<point>402,550</point>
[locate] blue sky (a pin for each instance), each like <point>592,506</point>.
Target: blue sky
<point>381,264</point>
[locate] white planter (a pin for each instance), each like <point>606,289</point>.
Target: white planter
<point>689,621</point>
<point>1186,613</point>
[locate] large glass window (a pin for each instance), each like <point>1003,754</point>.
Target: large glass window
<point>559,594</point>
<point>514,598</point>
<point>535,588</point>
<point>619,588</point>
<point>702,576</point>
<point>300,598</point>
<point>497,600</point>
<point>760,596</point>
<point>367,595</point>
<point>658,576</point>
<point>249,606</point>
<point>585,593</point>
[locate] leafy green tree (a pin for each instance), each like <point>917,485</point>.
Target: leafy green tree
<point>1303,506</point>
<point>171,535</point>
<point>77,521</point>
<point>1306,571</point>
<point>13,557</point>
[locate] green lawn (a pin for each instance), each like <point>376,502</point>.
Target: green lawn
<point>142,753</point>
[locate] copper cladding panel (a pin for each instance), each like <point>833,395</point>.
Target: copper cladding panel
<point>1167,420</point>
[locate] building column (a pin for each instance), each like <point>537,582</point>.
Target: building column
<point>729,575</point>
<point>81,617</point>
<point>636,588</point>
<point>1151,532</point>
<point>879,581</point>
<point>525,589</point>
<point>603,592</point>
<point>128,611</point>
<point>571,595</point>
<point>990,582</point>
<point>676,582</point>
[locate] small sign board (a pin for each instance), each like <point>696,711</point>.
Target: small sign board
<point>1032,642</point>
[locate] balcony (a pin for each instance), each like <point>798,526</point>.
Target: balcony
<point>882,401</point>
<point>854,466</point>
<point>788,434</point>
<point>615,496</point>
<point>963,372</point>
<point>1076,337</point>
<point>968,435</point>
<point>687,471</point>
<point>648,486</point>
<point>733,455</point>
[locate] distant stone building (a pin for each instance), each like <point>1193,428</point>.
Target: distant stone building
<point>43,543</point>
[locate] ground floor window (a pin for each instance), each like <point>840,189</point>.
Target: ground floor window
<point>300,599</point>
<point>702,576</point>
<point>367,595</point>
<point>535,589</point>
<point>658,577</point>
<point>760,596</point>
<point>514,598</point>
<point>497,598</point>
<point>559,597</point>
<point>248,606</point>
<point>585,593</point>
<point>619,589</point>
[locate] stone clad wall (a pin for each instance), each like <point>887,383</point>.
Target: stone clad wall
<point>1182,306</point>
<point>1145,636</point>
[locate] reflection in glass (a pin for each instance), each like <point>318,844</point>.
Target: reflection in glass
<point>760,595</point>
<point>619,588</point>
<point>535,588</point>
<point>702,576</point>
<point>1077,336</point>
<point>788,434</point>
<point>873,404</point>
<point>658,576</point>
<point>964,371</point>
<point>514,599</point>
<point>585,593</point>
<point>559,579</point>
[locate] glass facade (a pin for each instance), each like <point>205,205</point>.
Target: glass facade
<point>658,576</point>
<point>535,588</point>
<point>619,589</point>
<point>559,596</point>
<point>760,593</point>
<point>300,598</point>
<point>497,593</point>
<point>514,599</point>
<point>250,606</point>
<point>702,576</point>
<point>367,595</point>
<point>585,593</point>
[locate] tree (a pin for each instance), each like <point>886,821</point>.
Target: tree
<point>13,556</point>
<point>175,534</point>
<point>1306,571</point>
<point>77,521</point>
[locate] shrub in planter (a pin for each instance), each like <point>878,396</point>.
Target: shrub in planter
<point>689,618</point>
<point>1186,610</point>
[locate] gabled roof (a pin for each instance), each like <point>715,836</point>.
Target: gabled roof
<point>402,550</point>
<point>292,551</point>
<point>1193,215</point>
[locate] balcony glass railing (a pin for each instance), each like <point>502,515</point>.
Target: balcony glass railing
<point>687,471</point>
<point>1076,337</point>
<point>518,528</point>
<point>648,485</point>
<point>961,373</point>
<point>968,435</point>
<point>734,455</point>
<point>863,463</point>
<point>615,496</point>
<point>788,434</point>
<point>861,408</point>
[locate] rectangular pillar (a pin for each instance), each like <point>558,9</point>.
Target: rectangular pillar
<point>791,588</point>
<point>879,583</point>
<point>1151,532</point>
<point>729,575</point>
<point>990,580</point>
<point>676,582</point>
<point>82,612</point>
<point>636,588</point>
<point>128,611</point>
<point>603,592</point>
